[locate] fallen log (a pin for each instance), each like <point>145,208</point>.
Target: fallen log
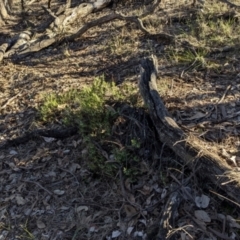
<point>194,152</point>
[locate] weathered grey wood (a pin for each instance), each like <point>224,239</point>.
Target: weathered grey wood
<point>195,152</point>
<point>20,43</point>
<point>69,25</point>
<point>3,49</point>
<point>58,30</point>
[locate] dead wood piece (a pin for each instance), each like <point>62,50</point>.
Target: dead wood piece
<point>232,5</point>
<point>193,151</point>
<point>168,216</point>
<point>35,47</point>
<point>119,16</point>
<point>53,133</point>
<point>10,99</point>
<point>63,27</point>
<point>63,22</point>
<point>49,11</point>
<point>21,43</point>
<point>3,49</point>
<point>68,4</point>
<point>57,31</point>
<point>72,15</point>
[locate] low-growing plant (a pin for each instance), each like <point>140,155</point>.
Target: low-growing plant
<point>27,234</point>
<point>89,109</point>
<point>204,34</point>
<point>217,33</point>
<point>194,59</point>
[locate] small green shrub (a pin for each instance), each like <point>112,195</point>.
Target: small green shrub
<point>89,109</point>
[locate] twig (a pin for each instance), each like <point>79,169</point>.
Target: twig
<point>30,2</point>
<point>225,198</point>
<point>152,9</point>
<point>10,100</point>
<point>68,4</point>
<point>33,205</point>
<point>197,222</point>
<point>122,184</point>
<point>116,143</point>
<point>218,234</point>
<point>182,188</point>
<point>92,204</point>
<point>41,43</point>
<point>38,184</point>
<point>173,231</point>
<point>3,49</point>
<point>49,11</point>
<point>232,5</point>
<point>191,149</point>
<point>65,170</point>
<point>125,194</point>
<point>225,93</point>
<point>187,68</point>
<point>160,157</point>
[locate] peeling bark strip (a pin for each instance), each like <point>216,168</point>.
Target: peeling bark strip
<point>195,152</point>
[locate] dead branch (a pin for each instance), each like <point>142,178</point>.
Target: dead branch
<point>68,4</point>
<point>21,43</point>
<point>61,29</point>
<point>112,17</point>
<point>3,49</point>
<point>232,5</point>
<point>170,211</point>
<point>195,152</point>
<point>35,134</point>
<point>58,30</point>
<point>37,46</point>
<point>49,11</point>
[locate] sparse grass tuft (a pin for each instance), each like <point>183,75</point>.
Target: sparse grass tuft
<point>195,59</point>
<point>123,43</point>
<point>204,34</point>
<point>217,33</point>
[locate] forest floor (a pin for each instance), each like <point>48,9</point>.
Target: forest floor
<point>111,178</point>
